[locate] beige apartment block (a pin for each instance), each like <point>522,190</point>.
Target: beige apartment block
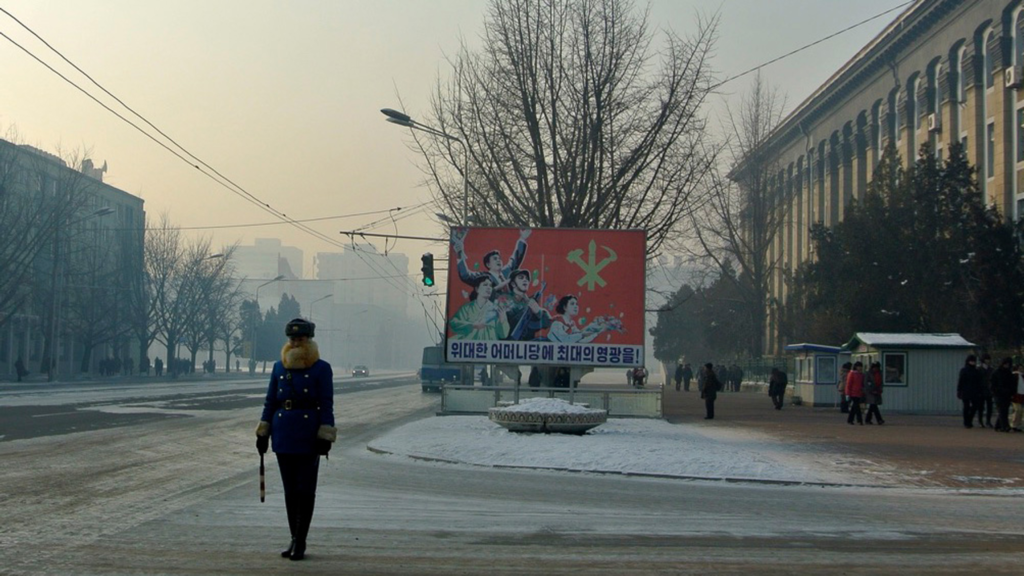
<point>944,71</point>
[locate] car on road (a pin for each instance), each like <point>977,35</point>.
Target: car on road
<point>360,370</point>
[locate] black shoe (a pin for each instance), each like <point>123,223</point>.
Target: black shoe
<point>299,552</point>
<point>709,417</point>
<point>880,422</point>
<point>869,422</point>
<point>287,553</point>
<point>968,425</point>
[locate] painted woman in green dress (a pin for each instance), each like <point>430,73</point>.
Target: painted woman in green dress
<point>480,318</point>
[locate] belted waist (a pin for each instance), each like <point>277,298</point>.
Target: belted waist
<point>300,405</point>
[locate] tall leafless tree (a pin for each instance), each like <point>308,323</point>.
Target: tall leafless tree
<point>744,214</point>
<point>572,115</point>
<point>41,196</point>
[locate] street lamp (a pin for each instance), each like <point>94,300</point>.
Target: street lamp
<point>314,302</point>
<point>403,119</point>
<point>252,354</point>
<point>57,280</point>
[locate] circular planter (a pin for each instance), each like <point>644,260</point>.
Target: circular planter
<point>547,416</point>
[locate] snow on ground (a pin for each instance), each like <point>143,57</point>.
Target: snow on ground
<point>638,446</point>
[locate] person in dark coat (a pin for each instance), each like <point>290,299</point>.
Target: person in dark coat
<point>19,367</point>
<point>984,407</point>
<point>709,392</point>
<point>679,375</point>
<point>873,393</point>
<point>687,376</point>
<point>1004,385</point>
<point>969,389</point>
<point>777,383</point>
<point>298,418</point>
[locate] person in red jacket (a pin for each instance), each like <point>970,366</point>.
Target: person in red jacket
<point>855,391</point>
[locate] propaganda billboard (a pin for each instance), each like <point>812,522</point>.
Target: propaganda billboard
<point>546,296</point>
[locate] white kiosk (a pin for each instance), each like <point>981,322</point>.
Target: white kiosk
<point>816,373</point>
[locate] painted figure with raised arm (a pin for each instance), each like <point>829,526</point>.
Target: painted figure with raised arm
<point>495,268</point>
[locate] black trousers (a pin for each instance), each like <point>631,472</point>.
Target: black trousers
<point>970,407</point>
<point>709,406</point>
<point>873,411</point>
<point>777,400</point>
<point>298,477</point>
<point>855,411</point>
<point>686,384</point>
<point>984,408</point>
<point>1002,415</point>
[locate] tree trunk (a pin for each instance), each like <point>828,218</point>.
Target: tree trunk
<point>86,361</point>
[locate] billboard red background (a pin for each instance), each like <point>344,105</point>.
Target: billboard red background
<point>604,269</point>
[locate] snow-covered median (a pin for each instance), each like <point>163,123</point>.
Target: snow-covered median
<point>637,446</point>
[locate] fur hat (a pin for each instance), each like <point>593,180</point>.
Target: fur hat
<point>299,327</point>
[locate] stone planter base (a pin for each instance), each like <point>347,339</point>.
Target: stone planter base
<point>516,419</point>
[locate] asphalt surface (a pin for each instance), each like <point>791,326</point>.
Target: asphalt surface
<point>936,449</point>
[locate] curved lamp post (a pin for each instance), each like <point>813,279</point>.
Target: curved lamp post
<point>403,119</point>
<point>314,302</point>
<point>252,354</point>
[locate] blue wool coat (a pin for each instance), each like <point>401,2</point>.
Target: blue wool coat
<point>295,431</point>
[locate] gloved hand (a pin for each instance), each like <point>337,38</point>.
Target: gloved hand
<point>322,447</point>
<point>262,444</point>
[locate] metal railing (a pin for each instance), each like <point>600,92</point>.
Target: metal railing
<point>619,402</point>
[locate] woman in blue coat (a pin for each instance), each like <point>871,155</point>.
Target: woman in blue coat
<point>298,417</point>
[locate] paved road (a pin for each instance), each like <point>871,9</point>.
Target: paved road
<point>178,495</point>
<point>30,410</point>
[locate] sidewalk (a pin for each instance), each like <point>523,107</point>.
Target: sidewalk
<point>938,449</point>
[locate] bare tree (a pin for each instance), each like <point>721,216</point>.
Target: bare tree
<point>42,195</point>
<point>745,212</point>
<point>572,116</point>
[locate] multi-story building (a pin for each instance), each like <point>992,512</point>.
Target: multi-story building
<point>944,71</point>
<point>266,258</point>
<point>85,239</point>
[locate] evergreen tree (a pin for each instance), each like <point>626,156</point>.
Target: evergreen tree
<point>921,253</point>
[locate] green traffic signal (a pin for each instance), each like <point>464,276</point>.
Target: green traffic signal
<point>428,269</point>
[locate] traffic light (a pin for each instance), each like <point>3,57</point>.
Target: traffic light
<point>428,269</point>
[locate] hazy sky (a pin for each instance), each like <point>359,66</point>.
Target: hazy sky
<point>283,97</point>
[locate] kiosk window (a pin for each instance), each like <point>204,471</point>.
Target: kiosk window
<point>894,368</point>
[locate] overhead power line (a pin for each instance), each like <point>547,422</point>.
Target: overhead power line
<point>812,44</point>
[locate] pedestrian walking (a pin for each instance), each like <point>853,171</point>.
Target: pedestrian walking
<point>19,368</point>
<point>855,393</point>
<point>709,391</point>
<point>985,402</point>
<point>1004,386</point>
<point>844,404</point>
<point>1017,400</point>
<point>679,375</point>
<point>777,383</point>
<point>968,389</point>
<point>298,421</point>
<point>873,393</point>
<point>687,376</point>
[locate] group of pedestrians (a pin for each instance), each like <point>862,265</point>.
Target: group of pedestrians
<point>858,388</point>
<point>979,387</point>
